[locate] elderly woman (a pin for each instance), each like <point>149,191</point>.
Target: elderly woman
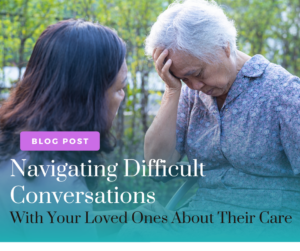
<point>236,114</point>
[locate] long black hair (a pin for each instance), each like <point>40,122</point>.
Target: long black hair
<point>72,65</point>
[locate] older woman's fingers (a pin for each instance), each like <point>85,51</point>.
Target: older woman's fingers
<point>153,53</point>
<point>160,56</point>
<point>168,78</point>
<point>166,68</point>
<point>157,53</point>
<point>165,71</point>
<point>163,68</point>
<point>161,60</point>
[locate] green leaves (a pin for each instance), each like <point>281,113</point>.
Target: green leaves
<point>21,22</point>
<point>270,28</point>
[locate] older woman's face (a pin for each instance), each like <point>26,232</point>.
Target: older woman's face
<point>212,79</point>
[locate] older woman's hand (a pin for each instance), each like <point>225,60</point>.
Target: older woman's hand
<point>160,139</point>
<point>163,68</point>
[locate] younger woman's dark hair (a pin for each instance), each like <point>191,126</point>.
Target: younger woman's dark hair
<point>72,65</point>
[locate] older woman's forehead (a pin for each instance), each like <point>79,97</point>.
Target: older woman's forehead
<point>184,57</point>
<point>184,63</point>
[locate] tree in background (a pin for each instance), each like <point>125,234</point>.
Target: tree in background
<point>269,27</point>
<point>22,22</point>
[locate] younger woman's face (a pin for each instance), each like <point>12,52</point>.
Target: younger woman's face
<point>115,94</point>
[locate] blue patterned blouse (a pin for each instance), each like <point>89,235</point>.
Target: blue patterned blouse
<point>251,147</point>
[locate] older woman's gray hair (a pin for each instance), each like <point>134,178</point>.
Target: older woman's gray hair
<point>197,27</point>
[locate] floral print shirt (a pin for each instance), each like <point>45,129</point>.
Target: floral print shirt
<point>251,147</point>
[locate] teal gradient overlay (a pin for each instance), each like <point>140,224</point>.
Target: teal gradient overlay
<point>150,227</point>
<point>77,219</point>
<point>154,232</point>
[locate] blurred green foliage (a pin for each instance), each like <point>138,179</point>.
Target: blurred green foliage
<point>270,28</point>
